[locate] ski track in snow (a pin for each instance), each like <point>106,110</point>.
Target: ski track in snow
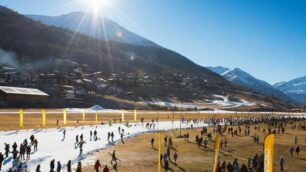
<point>52,146</point>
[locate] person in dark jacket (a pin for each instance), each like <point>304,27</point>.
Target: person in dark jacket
<point>38,168</point>
<point>97,166</point>
<point>243,168</point>
<point>175,156</point>
<point>1,160</point>
<point>35,143</point>
<point>114,158</point>
<point>14,147</point>
<point>297,150</point>
<point>22,151</point>
<point>52,165</point>
<point>7,150</point>
<point>281,163</point>
<point>230,167</point>
<point>32,139</point>
<point>79,168</point>
<point>15,154</point>
<point>69,166</point>
<point>28,152</point>
<point>152,142</point>
<point>105,169</point>
<point>59,166</point>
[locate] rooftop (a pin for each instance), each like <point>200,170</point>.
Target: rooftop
<point>23,91</point>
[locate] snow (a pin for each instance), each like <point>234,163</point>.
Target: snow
<point>297,84</point>
<point>96,107</point>
<point>231,104</point>
<point>170,104</point>
<point>51,144</point>
<point>298,91</point>
<point>90,110</point>
<point>223,103</point>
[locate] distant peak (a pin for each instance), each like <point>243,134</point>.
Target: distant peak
<point>238,69</point>
<point>279,84</point>
<point>77,13</point>
<point>219,69</point>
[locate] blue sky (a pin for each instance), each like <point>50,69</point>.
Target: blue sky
<point>266,38</point>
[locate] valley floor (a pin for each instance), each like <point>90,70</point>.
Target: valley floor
<point>137,155</point>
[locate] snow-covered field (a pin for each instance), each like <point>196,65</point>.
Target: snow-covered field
<point>51,144</point>
<point>225,103</point>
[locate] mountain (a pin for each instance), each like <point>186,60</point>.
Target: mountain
<point>95,26</point>
<point>295,88</point>
<point>242,78</point>
<point>219,69</point>
<point>111,73</point>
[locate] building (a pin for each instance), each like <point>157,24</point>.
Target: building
<point>18,94</point>
<point>74,96</point>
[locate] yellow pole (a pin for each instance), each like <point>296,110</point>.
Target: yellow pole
<point>135,115</point>
<point>122,116</point>
<point>43,117</point>
<point>21,117</point>
<point>65,116</point>
<point>83,116</point>
<point>96,116</point>
<point>158,168</point>
<point>268,153</point>
<point>216,155</point>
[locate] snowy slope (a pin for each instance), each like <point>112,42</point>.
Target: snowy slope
<point>52,146</point>
<point>223,103</point>
<point>219,69</point>
<point>242,78</point>
<point>295,88</point>
<point>98,27</point>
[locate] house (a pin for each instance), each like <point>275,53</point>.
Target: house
<point>11,76</point>
<point>19,94</point>
<point>74,96</point>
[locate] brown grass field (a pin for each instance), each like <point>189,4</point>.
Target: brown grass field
<point>137,155</point>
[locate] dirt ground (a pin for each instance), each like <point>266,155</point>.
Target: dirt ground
<point>137,155</point>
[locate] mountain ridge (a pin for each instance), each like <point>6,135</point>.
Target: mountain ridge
<point>240,77</point>
<point>295,88</point>
<point>95,26</point>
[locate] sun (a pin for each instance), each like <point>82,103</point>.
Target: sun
<point>97,6</point>
<point>98,3</point>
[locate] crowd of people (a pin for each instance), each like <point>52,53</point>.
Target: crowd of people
<point>230,126</point>
<point>237,127</point>
<point>19,154</point>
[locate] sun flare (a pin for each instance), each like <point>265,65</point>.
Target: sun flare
<point>97,6</point>
<point>98,3</point>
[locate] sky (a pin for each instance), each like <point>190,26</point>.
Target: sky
<point>266,38</point>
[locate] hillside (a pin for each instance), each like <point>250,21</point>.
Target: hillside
<point>58,61</point>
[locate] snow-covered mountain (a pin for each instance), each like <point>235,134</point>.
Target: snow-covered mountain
<point>295,88</point>
<point>242,78</point>
<point>95,26</point>
<point>219,69</point>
